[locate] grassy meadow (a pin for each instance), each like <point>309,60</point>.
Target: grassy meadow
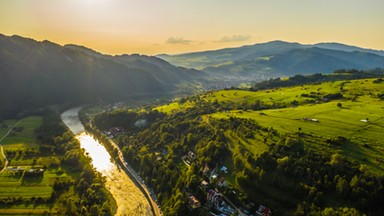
<point>20,141</point>
<point>358,116</point>
<point>24,138</point>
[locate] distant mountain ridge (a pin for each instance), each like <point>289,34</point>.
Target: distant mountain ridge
<point>348,48</point>
<point>35,74</point>
<point>279,58</point>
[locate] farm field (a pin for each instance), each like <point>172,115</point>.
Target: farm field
<point>361,119</point>
<point>22,150</point>
<point>12,185</point>
<point>357,116</point>
<point>331,120</point>
<point>25,138</point>
<point>28,210</point>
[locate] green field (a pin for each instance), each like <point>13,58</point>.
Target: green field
<point>25,138</point>
<point>29,210</point>
<point>27,187</point>
<point>5,125</point>
<point>19,186</point>
<point>168,108</point>
<point>358,117</point>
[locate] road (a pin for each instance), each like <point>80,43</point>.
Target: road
<point>233,205</point>
<point>2,149</point>
<point>72,121</point>
<point>150,196</point>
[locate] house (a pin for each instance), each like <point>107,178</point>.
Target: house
<point>206,169</point>
<point>224,169</point>
<point>204,184</point>
<point>191,155</point>
<point>263,211</point>
<point>222,182</point>
<point>193,202</point>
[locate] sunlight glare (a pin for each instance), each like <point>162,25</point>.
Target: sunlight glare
<point>101,160</point>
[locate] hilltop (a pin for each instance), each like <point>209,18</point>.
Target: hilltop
<point>302,149</point>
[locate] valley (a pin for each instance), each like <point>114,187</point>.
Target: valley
<point>241,136</point>
<point>299,150</point>
<point>129,199</point>
<point>191,108</point>
<point>44,170</point>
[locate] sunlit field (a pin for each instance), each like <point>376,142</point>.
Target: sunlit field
<point>358,116</point>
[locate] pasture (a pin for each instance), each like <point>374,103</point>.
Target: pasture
<point>22,136</point>
<point>357,115</point>
<point>30,191</point>
<point>12,185</point>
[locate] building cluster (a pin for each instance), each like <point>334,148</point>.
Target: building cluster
<point>114,131</point>
<point>217,203</point>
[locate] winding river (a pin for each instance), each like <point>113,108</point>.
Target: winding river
<point>130,200</point>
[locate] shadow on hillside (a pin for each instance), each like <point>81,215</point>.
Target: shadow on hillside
<point>27,180</point>
<point>363,154</point>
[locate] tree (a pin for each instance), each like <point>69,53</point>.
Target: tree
<point>339,105</point>
<point>342,186</point>
<point>94,210</point>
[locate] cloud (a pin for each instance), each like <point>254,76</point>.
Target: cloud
<point>235,38</point>
<point>178,40</point>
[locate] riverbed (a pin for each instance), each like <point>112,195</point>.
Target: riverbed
<point>130,200</point>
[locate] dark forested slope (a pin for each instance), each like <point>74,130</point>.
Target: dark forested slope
<point>33,74</point>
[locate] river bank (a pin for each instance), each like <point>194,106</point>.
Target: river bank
<point>130,200</point>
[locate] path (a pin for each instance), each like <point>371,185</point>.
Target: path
<point>2,149</point>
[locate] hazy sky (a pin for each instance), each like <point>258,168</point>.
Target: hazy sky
<point>176,26</point>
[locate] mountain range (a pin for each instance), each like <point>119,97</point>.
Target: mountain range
<point>279,58</point>
<point>34,74</point>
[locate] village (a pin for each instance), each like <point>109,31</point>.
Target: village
<point>213,181</point>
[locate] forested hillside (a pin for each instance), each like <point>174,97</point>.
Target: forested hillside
<point>35,74</point>
<point>307,149</point>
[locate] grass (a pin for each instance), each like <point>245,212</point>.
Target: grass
<point>175,106</point>
<point>16,186</point>
<point>27,187</point>
<point>5,125</point>
<point>332,120</point>
<point>359,102</point>
<point>366,146</point>
<point>26,138</point>
<point>28,210</point>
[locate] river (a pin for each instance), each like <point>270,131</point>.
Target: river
<point>130,200</point>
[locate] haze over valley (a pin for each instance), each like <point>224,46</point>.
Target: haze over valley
<point>177,108</point>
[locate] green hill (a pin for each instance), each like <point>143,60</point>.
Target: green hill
<point>312,149</point>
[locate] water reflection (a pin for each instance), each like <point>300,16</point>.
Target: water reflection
<point>101,160</point>
<point>130,200</point>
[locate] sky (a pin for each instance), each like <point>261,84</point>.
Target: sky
<point>178,26</point>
